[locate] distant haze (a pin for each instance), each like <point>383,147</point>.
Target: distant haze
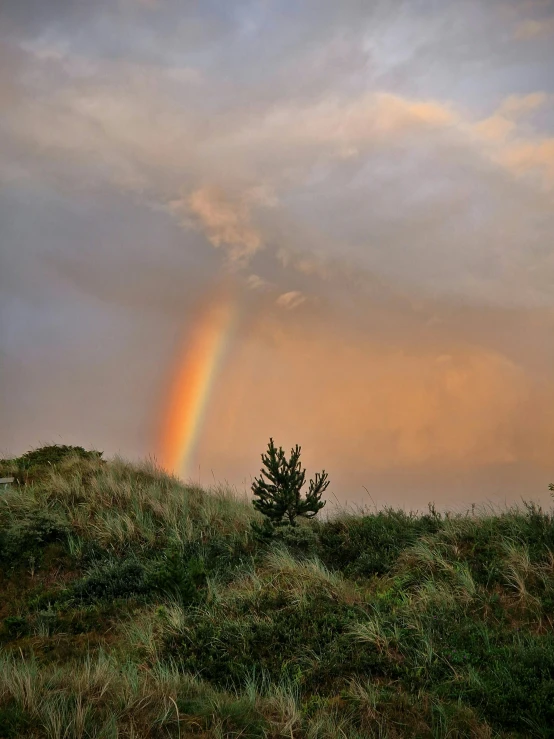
<point>371,182</point>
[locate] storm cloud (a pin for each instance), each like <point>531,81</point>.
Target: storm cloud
<point>377,180</point>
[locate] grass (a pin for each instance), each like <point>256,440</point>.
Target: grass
<point>135,606</point>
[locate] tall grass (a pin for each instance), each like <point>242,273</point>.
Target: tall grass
<point>102,697</point>
<point>117,504</point>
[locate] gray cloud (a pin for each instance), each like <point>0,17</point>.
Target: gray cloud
<point>385,169</point>
<point>346,165</point>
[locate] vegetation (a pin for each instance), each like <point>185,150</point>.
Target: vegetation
<point>135,606</point>
<point>279,495</point>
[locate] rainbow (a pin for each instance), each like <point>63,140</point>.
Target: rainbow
<point>197,367</point>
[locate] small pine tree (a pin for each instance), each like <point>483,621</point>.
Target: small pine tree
<point>279,495</point>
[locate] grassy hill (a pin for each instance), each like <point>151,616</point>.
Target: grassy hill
<point>134,606</point>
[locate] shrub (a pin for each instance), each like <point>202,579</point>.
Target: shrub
<point>54,454</point>
<point>120,579</point>
<point>128,578</point>
<point>234,716</point>
<point>517,688</point>
<point>178,577</point>
<point>370,545</point>
<point>15,627</point>
<point>14,722</point>
<point>32,466</point>
<point>24,541</point>
<point>275,635</point>
<point>298,539</point>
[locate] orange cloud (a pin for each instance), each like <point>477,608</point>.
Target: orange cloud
<point>519,154</point>
<point>365,405</point>
<point>348,123</point>
<point>395,112</point>
<point>515,105</point>
<point>532,28</point>
<point>499,126</point>
<point>224,221</point>
<point>525,157</point>
<point>255,282</point>
<point>291,300</point>
<point>496,128</point>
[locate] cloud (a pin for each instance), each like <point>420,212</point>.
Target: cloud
<point>504,121</point>
<point>401,184</point>
<point>532,28</point>
<point>520,153</point>
<point>291,300</point>
<point>307,263</point>
<point>224,221</point>
<point>532,157</point>
<point>344,124</point>
<point>515,105</point>
<point>495,128</point>
<point>255,282</point>
<point>403,405</point>
<point>348,158</point>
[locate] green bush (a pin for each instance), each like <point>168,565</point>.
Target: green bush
<point>33,465</point>
<point>298,539</point>
<point>23,541</point>
<point>178,577</point>
<point>370,545</point>
<point>54,454</point>
<point>14,721</point>
<point>130,578</point>
<point>120,579</point>
<point>538,532</point>
<point>280,639</point>
<point>482,544</point>
<point>235,717</point>
<point>85,619</point>
<point>15,626</point>
<point>222,554</point>
<point>517,691</point>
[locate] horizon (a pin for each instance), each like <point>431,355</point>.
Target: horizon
<point>366,189</point>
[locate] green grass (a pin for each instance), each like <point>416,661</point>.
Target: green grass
<point>135,606</point>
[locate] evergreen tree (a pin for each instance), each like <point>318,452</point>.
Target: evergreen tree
<point>278,496</point>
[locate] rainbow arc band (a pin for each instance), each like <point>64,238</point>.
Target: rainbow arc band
<point>197,369</point>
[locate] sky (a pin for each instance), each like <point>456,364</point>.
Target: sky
<point>366,187</point>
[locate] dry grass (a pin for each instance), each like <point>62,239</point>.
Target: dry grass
<point>299,577</point>
<point>118,504</point>
<point>520,573</point>
<point>97,698</point>
<point>101,698</point>
<point>372,632</point>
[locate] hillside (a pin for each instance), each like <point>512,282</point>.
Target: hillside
<point>135,606</point>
